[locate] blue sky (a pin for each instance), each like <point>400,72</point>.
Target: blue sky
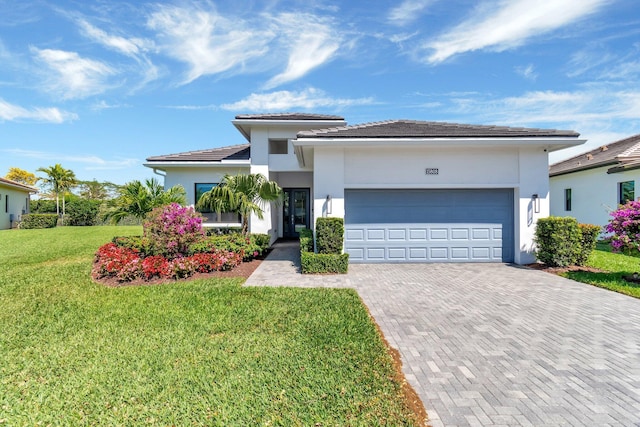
<point>98,86</point>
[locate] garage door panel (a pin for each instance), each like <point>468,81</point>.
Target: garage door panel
<point>429,225</point>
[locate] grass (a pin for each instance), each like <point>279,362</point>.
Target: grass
<point>204,352</point>
<point>613,266</point>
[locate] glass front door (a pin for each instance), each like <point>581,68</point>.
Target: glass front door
<point>295,211</point>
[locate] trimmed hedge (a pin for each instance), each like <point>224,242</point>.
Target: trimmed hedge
<point>329,235</point>
<point>30,221</point>
<point>313,263</point>
<point>561,241</point>
<point>306,240</point>
<point>589,236</point>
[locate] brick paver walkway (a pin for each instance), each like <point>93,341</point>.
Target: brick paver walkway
<point>495,344</point>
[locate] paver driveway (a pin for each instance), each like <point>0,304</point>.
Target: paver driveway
<point>494,344</point>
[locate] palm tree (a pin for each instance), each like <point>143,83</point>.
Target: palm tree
<point>60,180</point>
<point>137,199</point>
<point>243,194</point>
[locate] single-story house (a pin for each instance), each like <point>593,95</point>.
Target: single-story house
<point>409,191</point>
<point>591,185</point>
<point>14,202</point>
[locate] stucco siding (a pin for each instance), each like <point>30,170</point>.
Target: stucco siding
<point>18,204</point>
<point>594,194</point>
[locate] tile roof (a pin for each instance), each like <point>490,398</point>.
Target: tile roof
<point>605,155</point>
<point>422,129</point>
<point>234,152</point>
<point>288,116</point>
<point>18,184</point>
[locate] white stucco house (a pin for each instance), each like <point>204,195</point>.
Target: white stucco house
<point>14,202</point>
<point>409,191</point>
<point>591,185</point>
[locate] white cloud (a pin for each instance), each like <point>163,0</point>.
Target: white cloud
<point>206,41</point>
<point>90,161</point>
<point>104,105</point>
<point>408,11</point>
<point>527,72</point>
<point>311,42</point>
<point>74,76</point>
<point>11,112</point>
<point>501,25</point>
<point>130,47</point>
<point>285,100</point>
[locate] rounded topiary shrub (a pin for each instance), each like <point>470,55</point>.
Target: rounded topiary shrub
<point>558,241</point>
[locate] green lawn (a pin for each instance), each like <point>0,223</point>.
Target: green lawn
<point>204,352</point>
<point>613,266</point>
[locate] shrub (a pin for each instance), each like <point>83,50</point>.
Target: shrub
<point>81,211</point>
<point>329,235</point>
<point>625,226</point>
<point>156,266</point>
<point>29,221</point>
<point>171,229</point>
<point>306,240</point>
<point>117,261</point>
<point>42,206</point>
<point>557,240</point>
<point>588,236</point>
<point>140,244</point>
<point>313,263</point>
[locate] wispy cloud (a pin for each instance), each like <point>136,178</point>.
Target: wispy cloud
<point>104,105</point>
<point>73,76</point>
<point>11,112</point>
<point>408,11</point>
<point>311,41</point>
<point>206,41</point>
<point>501,25</point>
<point>126,46</point>
<point>192,107</point>
<point>527,72</point>
<point>285,100</point>
<point>90,162</point>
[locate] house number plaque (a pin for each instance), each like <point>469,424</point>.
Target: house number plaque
<point>432,171</point>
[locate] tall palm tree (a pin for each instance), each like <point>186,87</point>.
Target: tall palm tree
<point>243,194</point>
<point>137,199</point>
<point>59,180</point>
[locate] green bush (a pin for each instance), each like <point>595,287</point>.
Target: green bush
<point>588,236</point>
<point>42,206</point>
<point>313,263</point>
<point>557,240</point>
<point>81,211</point>
<point>306,240</point>
<point>329,235</point>
<point>38,221</point>
<point>138,243</point>
<point>250,247</point>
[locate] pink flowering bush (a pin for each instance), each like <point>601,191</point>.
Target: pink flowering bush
<point>172,229</point>
<point>625,226</point>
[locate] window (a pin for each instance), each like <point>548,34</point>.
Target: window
<point>210,216</point>
<point>278,146</point>
<point>6,203</point>
<point>626,191</point>
<point>567,199</point>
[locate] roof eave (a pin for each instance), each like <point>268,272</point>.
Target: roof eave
<point>18,186</point>
<point>244,125</point>
<point>195,164</point>
<point>584,168</point>
<point>549,143</point>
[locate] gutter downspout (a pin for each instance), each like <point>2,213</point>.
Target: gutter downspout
<point>155,170</point>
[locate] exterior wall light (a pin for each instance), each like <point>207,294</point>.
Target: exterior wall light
<point>329,204</point>
<point>536,203</point>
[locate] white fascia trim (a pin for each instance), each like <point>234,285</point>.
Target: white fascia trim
<point>551,144</point>
<point>424,186</point>
<point>224,163</point>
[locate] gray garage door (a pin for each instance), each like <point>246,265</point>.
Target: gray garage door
<point>429,225</point>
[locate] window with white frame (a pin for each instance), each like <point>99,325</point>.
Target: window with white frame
<point>210,216</point>
<point>278,146</point>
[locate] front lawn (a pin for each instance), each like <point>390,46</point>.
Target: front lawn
<point>204,352</point>
<point>613,266</point>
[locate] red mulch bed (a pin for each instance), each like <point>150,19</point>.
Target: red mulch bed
<point>244,270</point>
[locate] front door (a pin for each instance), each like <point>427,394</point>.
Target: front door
<point>295,211</point>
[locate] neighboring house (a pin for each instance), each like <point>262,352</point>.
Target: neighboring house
<point>409,191</point>
<point>14,202</point>
<point>591,185</point>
